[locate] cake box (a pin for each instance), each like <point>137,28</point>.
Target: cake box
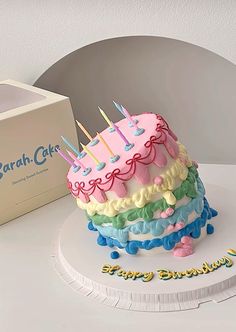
<point>31,171</point>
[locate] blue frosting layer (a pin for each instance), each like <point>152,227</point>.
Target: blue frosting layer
<point>156,226</point>
<point>169,241</point>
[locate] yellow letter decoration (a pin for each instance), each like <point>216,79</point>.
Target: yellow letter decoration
<point>164,274</point>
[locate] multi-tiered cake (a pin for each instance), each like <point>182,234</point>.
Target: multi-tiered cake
<point>143,195</point>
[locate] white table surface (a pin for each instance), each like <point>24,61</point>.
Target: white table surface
<point>34,299</point>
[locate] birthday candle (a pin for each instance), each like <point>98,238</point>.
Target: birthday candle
<point>77,162</point>
<point>118,107</point>
<point>65,157</point>
<point>70,145</point>
<point>105,117</point>
<point>121,134</point>
<point>84,130</point>
<point>101,139</point>
<point>128,116</point>
<point>90,154</point>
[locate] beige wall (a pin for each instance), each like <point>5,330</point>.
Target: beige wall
<point>34,34</point>
<point>192,87</point>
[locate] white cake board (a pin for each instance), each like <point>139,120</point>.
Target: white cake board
<point>78,260</point>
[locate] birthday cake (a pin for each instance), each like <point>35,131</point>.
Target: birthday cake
<point>140,190</point>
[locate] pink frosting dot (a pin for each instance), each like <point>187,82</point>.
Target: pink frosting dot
<point>183,251</point>
<point>158,180</point>
<point>170,228</point>
<point>186,240</point>
<point>169,211</point>
<point>179,225</point>
<point>164,215</point>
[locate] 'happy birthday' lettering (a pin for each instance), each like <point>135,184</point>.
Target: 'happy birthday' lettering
<point>165,274</point>
<point>112,269</point>
<point>193,272</point>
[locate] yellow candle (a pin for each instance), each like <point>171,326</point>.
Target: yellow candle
<point>105,117</point>
<point>90,153</point>
<point>101,139</point>
<point>84,130</point>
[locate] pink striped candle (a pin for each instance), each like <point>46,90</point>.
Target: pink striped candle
<point>120,134</point>
<point>65,158</point>
<point>128,117</point>
<point>77,162</point>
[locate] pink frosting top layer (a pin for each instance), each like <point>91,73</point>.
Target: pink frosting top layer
<point>133,162</point>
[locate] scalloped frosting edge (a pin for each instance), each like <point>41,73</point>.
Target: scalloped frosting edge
<point>156,226</point>
<point>137,166</point>
<point>179,169</point>
<point>187,188</point>
<point>168,242</point>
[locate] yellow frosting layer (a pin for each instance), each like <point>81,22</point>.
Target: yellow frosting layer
<point>178,170</point>
<point>169,197</point>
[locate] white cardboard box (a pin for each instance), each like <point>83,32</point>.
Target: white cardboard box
<point>32,121</point>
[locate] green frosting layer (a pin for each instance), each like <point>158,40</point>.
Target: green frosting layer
<point>187,188</point>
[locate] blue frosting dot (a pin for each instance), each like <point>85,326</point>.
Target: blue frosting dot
<point>115,255</point>
<point>94,142</point>
<point>101,240</point>
<point>213,212</point>
<point>210,229</point>
<point>91,227</point>
<point>76,169</point>
<point>100,166</point>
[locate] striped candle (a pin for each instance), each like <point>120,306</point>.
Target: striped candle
<point>118,106</point>
<point>65,158</point>
<point>84,130</point>
<point>73,148</point>
<point>105,117</point>
<point>128,117</point>
<point>121,134</point>
<point>77,162</point>
<point>90,154</point>
<point>102,140</point>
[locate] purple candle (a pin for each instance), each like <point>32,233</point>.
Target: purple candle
<point>128,116</point>
<point>121,134</point>
<point>66,158</point>
<point>76,161</point>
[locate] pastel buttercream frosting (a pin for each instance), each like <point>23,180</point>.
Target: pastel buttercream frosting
<point>171,177</point>
<point>147,194</point>
<point>157,226</point>
<point>152,147</point>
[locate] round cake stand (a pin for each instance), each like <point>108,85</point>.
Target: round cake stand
<point>79,260</point>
